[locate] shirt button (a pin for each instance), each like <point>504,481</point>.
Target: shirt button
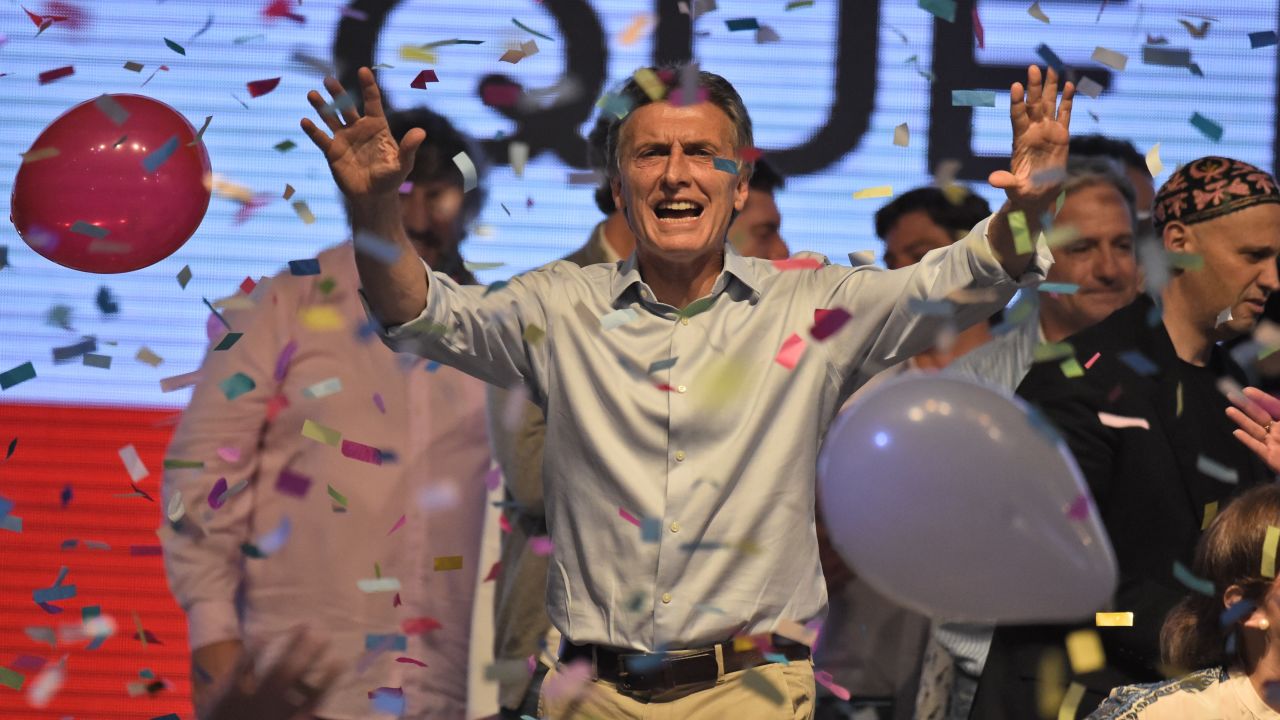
<point>675,527</point>
<point>679,456</point>
<point>666,597</point>
<point>684,321</point>
<point>681,388</point>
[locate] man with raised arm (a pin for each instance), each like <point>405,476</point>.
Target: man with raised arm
<point>686,390</point>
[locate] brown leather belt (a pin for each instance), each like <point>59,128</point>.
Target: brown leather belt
<point>658,672</point>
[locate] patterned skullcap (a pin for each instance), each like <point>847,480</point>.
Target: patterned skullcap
<point>1211,187</point>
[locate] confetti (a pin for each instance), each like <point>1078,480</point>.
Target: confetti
<point>725,165</point>
<point>337,496</point>
<point>901,135</point>
<point>1113,619</point>
<point>303,212</point>
<point>468,169</point>
<point>160,155</point>
<point>738,24</point>
<point>1210,512</point>
<point>310,266</point>
<point>1089,363</point>
<point>618,318</point>
<point>293,484</point>
<point>797,4</point>
<point>11,679</point>
<point>132,66</point>
<point>1154,166</point>
<point>49,76</point>
<point>791,351</point>
<point>1059,288</point>
<point>285,146</point>
<point>973,98</point>
<point>175,46</point>
<point>1071,698</point>
<point>227,341</point>
<point>824,679</point>
<point>530,30</point>
<point>176,510</point>
<point>941,9</point>
<point>236,385</point>
<point>1089,86</point>
<point>102,362</point>
<point>879,191</point>
<point>1207,127</point>
<point>324,388</point>
<point>448,562</point>
<point>622,513</point>
<point>411,661</point>
<point>19,374</point>
<point>1110,58</point>
<point>321,318</point>
<point>1166,57</point>
<point>1216,470</point>
<point>650,84</point>
<point>1121,422</point>
<point>826,322</point>
<point>1035,12</point>
<point>419,625</point>
<point>361,452</point>
<point>517,156</point>
<point>112,109</point>
<point>1266,38</point>
<point>313,430</point>
<point>424,77</point>
<point>1138,363</point>
<point>1269,551</point>
<point>184,276</point>
<point>1084,651</point>
<point>133,463</point>
<point>533,334</point>
<point>1051,59</point>
<point>1184,576</point>
<point>258,88</point>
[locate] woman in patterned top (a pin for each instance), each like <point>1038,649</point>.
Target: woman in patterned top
<point>1233,635</point>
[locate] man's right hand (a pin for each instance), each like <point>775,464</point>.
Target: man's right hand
<point>363,156</point>
<point>212,665</point>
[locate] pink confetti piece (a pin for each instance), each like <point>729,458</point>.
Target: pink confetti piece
<point>791,351</point>
<point>229,454</point>
<point>377,401</point>
<point>293,484</point>
<point>396,602</point>
<point>805,263</point>
<point>504,523</point>
<point>424,77</point>
<point>258,88</point>
<point>361,452</point>
<point>825,680</point>
<point>978,32</point>
<point>1092,360</point>
<point>144,551</point>
<point>541,546</point>
<point>399,524</point>
<point>493,479</point>
<point>1079,509</point>
<point>826,322</point>
<point>493,572</point>
<point>410,661</point>
<point>218,495</point>
<point>49,76</point>
<point>628,517</point>
<point>282,362</point>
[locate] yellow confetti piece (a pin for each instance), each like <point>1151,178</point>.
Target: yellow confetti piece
<point>146,356</point>
<point>1035,12</point>
<point>1084,652</point>
<point>1154,166</point>
<point>1071,368</point>
<point>42,154</point>
<point>1113,619</point>
<point>743,644</point>
<point>448,562</point>
<point>304,212</point>
<point>313,430</point>
<point>649,82</point>
<point>410,52</point>
<point>1210,512</point>
<point>534,334</point>
<point>880,191</point>
<point>1071,702</point>
<point>1179,393</point>
<point>321,318</point>
<point>1050,682</point>
<point>1269,551</point>
<point>1021,235</point>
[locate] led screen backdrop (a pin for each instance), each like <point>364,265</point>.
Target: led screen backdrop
<point>826,91</point>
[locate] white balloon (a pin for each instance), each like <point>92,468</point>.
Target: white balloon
<point>947,496</point>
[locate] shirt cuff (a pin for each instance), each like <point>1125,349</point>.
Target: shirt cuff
<point>211,621</point>
<point>988,266</point>
<point>391,333</point>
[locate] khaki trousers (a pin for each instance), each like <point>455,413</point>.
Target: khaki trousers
<point>769,692</point>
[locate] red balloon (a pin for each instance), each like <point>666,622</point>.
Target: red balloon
<point>121,192</point>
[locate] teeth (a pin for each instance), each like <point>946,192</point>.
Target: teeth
<point>677,206</point>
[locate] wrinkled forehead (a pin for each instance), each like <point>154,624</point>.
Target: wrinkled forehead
<point>662,122</point>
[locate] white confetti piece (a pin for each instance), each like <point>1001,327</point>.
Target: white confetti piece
<point>1089,86</point>
<point>1110,58</point>
<point>1121,422</point>
<point>323,388</point>
<point>901,135</point>
<point>518,155</point>
<point>1154,165</point>
<point>468,169</point>
<point>133,463</point>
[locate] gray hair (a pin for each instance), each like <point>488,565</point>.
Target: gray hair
<point>1095,170</point>
<point>720,92</point>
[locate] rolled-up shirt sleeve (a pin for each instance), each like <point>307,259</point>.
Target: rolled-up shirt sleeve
<point>494,333</point>
<point>899,313</point>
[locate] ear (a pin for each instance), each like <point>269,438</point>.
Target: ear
<point>615,185</point>
<point>1253,620</point>
<point>1178,238</point>
<point>743,187</point>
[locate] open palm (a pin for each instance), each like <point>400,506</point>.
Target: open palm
<point>1255,414</point>
<point>1040,140</point>
<point>363,156</point>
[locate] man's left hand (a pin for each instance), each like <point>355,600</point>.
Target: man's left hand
<point>1040,137</point>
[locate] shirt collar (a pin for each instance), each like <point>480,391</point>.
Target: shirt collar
<point>735,266</point>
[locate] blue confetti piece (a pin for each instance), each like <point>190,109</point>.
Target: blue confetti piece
<point>941,9</point>
<point>650,529</point>
<point>12,523</point>
<point>725,165</point>
<point>1207,127</point>
<point>973,98</point>
<point>1266,38</point>
<point>1235,613</point>
<point>1059,288</point>
<point>385,702</point>
<point>236,385</point>
<point>1184,576</point>
<point>432,366</point>
<point>54,594</point>
<point>19,374</point>
<point>6,505</point>
<point>1052,60</point>
<point>62,575</point>
<point>310,266</point>
<point>65,497</point>
<point>1138,362</point>
<point>659,365</point>
<point>394,641</point>
<point>160,155</point>
<point>742,24</point>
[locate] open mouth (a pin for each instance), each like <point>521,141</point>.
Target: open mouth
<point>677,210</point>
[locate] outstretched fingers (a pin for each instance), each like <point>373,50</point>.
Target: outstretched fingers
<point>317,135</point>
<point>1064,108</point>
<point>341,100</point>
<point>1035,94</point>
<point>370,92</point>
<point>1018,108</point>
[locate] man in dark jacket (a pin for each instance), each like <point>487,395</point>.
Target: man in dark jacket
<point>1145,420</point>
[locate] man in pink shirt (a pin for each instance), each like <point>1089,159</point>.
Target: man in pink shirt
<point>342,485</point>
